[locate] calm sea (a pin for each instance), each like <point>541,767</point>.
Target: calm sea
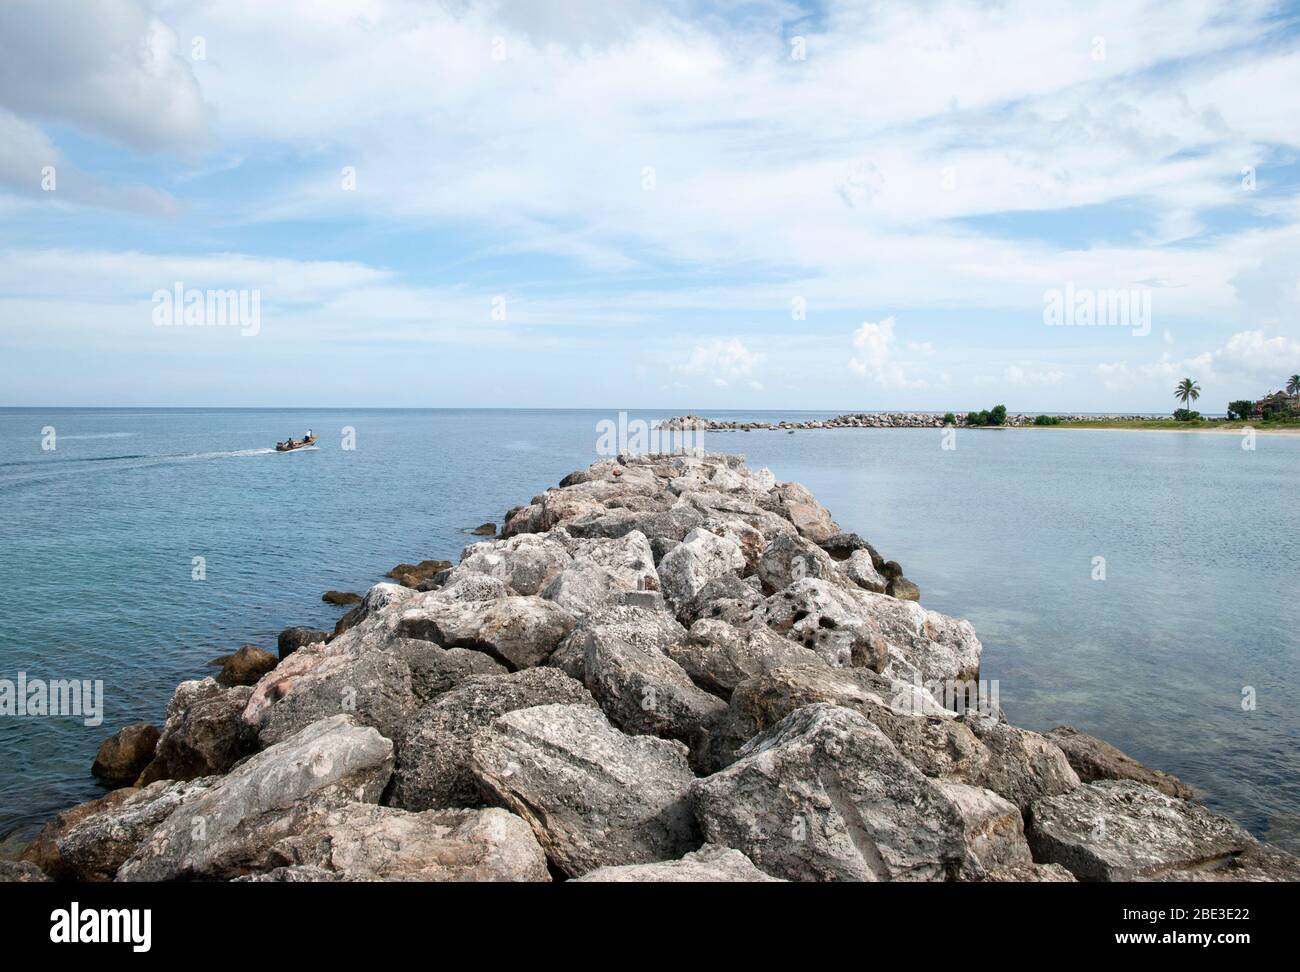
<point>1200,605</point>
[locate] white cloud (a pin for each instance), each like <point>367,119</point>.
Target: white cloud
<point>1252,352</point>
<point>754,152</point>
<point>1244,366</point>
<point>1020,376</point>
<point>109,66</point>
<point>32,167</point>
<point>875,358</point>
<point>824,178</point>
<point>722,361</point>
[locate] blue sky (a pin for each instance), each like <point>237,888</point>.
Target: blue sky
<point>676,204</point>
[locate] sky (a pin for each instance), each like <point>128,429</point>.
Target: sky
<point>682,204</point>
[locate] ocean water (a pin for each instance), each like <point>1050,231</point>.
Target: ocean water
<point>1200,540</point>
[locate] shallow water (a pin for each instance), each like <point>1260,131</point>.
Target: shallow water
<point>1201,541</point>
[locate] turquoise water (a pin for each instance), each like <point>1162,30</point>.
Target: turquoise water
<point>1201,541</point>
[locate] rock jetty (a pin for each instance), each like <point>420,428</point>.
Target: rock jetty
<point>667,668</point>
<point>855,420</point>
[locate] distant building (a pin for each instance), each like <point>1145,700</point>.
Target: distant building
<point>1279,403</point>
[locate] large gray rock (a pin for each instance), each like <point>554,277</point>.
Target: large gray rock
<point>926,734</point>
<point>794,502</point>
<point>712,863</point>
<point>594,796</point>
<point>364,842</point>
<point>740,519</point>
<point>789,558</point>
<point>642,690</point>
<point>861,570</point>
<point>99,844</point>
<point>204,734</point>
<point>432,768</point>
<point>829,620</point>
<point>601,570</point>
<point>1094,759</point>
<point>435,670</point>
<point>580,591</point>
<point>1022,765</point>
<point>520,631</point>
<point>22,872</point>
<point>1119,830</point>
<point>1031,874</point>
<point>719,656</point>
<point>527,563</point>
<point>663,528</point>
<point>642,626</point>
<point>850,626</point>
<point>727,598</point>
<point>825,796</point>
<point>325,680</point>
<point>1258,862</point>
<point>993,829</point>
<point>699,558</point>
<point>43,851</point>
<point>231,828</point>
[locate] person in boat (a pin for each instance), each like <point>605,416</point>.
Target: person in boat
<point>309,433</point>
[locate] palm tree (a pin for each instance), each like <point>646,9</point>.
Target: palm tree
<point>1187,391</point>
<point>1293,385</point>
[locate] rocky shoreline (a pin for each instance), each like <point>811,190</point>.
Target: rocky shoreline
<point>857,420</point>
<point>668,668</point>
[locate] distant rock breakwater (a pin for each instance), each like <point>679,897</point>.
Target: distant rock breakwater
<point>856,420</point>
<point>668,668</point>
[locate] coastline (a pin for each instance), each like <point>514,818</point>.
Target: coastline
<point>734,600</point>
<point>933,420</point>
<point>1119,428</point>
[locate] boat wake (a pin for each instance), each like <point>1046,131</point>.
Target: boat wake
<point>30,471</point>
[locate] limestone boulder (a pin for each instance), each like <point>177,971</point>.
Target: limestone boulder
<point>99,844</point>
<point>789,558</point>
<point>794,502</point>
<point>364,842</point>
<point>699,558</point>
<point>204,734</point>
<point>712,864</point>
<point>520,631</point>
<point>718,656</point>
<point>435,670</point>
<point>1095,759</point>
<point>374,687</point>
<point>642,690</point>
<point>231,828</point>
<point>594,796</point>
<point>1022,765</point>
<point>432,763</point>
<point>527,562</point>
<point>825,796</point>
<point>1121,830</point>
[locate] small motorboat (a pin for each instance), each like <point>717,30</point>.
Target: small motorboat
<point>292,444</point>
